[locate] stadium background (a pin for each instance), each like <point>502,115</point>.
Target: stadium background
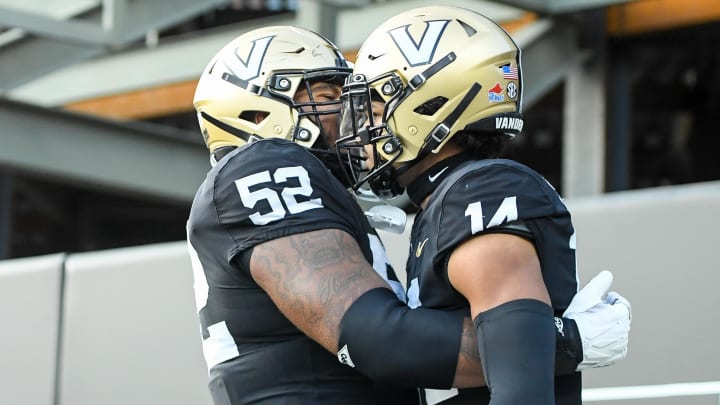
<point>100,157</point>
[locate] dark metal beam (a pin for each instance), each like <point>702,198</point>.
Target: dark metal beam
<point>73,30</point>
<point>6,198</point>
<point>547,57</point>
<point>146,160</point>
<point>131,20</point>
<point>30,58</point>
<point>49,44</point>
<point>619,117</point>
<point>116,25</point>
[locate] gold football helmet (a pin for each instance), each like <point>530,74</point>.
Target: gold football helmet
<point>438,70</point>
<point>247,90</point>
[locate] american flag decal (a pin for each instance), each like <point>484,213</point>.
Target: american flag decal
<point>509,72</point>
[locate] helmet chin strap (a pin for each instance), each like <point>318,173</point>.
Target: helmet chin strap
<point>384,183</point>
<point>442,129</point>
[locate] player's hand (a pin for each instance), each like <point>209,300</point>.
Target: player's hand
<point>603,322</point>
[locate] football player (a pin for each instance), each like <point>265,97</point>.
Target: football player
<point>434,97</point>
<point>285,260</point>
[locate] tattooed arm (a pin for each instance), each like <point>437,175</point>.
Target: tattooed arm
<point>322,283</point>
<point>469,368</point>
<point>313,278</point>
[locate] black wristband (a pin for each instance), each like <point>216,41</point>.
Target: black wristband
<point>387,341</point>
<point>568,352</point>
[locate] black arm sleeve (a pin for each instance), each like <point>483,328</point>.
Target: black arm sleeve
<point>389,342</point>
<point>517,348</point>
<point>568,352</point>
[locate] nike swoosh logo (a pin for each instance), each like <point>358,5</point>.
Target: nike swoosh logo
<point>436,175</point>
<point>420,247</point>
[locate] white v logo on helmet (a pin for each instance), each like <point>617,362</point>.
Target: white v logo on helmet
<point>250,69</point>
<point>421,52</point>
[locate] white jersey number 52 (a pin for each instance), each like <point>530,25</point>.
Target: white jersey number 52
<point>280,203</point>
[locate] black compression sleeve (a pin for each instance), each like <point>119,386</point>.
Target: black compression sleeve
<point>568,353</point>
<point>389,342</point>
<point>517,349</point>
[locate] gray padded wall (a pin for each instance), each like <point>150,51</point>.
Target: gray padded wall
<point>29,310</point>
<point>130,332</point>
<point>662,245</point>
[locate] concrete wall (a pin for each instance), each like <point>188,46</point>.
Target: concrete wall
<point>110,327</point>
<point>662,245</point>
<point>119,326</point>
<point>29,318</point>
<point>130,333</point>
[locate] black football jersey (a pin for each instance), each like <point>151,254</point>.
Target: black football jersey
<point>266,190</point>
<point>493,195</point>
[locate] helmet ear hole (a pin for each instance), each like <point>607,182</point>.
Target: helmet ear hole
<point>255,116</point>
<point>431,106</point>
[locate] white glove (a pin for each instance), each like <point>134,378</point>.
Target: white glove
<point>603,323</point>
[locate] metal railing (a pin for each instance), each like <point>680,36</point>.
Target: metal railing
<point>651,391</point>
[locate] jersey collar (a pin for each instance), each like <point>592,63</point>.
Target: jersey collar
<point>424,184</point>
